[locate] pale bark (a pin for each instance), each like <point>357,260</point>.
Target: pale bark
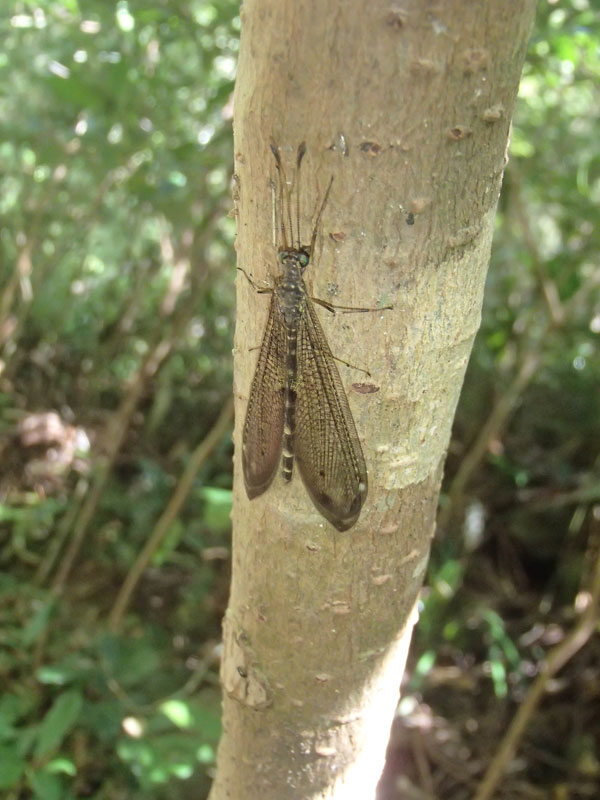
<point>408,107</point>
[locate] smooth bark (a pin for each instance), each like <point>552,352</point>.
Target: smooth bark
<point>408,107</point>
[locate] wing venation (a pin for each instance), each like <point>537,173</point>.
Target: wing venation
<point>327,448</point>
<point>263,427</point>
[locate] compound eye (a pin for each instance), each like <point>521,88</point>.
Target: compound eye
<point>303,259</point>
<point>283,255</point>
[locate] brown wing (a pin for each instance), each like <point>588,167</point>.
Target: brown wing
<point>326,444</point>
<point>263,428</point>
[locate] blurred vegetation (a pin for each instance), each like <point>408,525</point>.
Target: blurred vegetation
<point>116,327</point>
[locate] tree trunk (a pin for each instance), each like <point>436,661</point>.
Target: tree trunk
<point>408,107</point>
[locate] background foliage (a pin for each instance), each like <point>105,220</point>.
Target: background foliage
<point>116,322</point>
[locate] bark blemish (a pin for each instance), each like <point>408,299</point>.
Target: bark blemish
<point>459,132</point>
<point>379,580</point>
<point>493,113</point>
<point>463,236</point>
<point>475,60</point>
<point>410,557</point>
<point>325,750</point>
<point>340,607</point>
<point>389,529</point>
<point>424,67</point>
<point>439,27</point>
<point>415,207</point>
<point>418,204</point>
<point>340,145</point>
<point>370,148</point>
<point>421,566</point>
<point>395,19</point>
<point>240,675</point>
<point>365,388</point>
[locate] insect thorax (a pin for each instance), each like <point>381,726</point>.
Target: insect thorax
<point>290,291</point>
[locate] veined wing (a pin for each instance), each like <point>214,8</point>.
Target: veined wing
<point>326,444</point>
<point>263,428</point>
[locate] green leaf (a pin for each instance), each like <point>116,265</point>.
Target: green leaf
<point>178,712</point>
<point>206,754</point>
<point>72,6</point>
<point>46,786</point>
<point>64,765</point>
<point>38,623</point>
<point>425,663</point>
<point>217,508</point>
<point>498,671</point>
<point>12,766</point>
<point>58,721</point>
<point>135,661</point>
<point>12,707</point>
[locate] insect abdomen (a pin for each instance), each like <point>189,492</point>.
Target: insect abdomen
<point>289,415</point>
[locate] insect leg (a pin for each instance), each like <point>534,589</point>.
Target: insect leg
<point>313,238</point>
<point>258,289</point>
<point>347,309</point>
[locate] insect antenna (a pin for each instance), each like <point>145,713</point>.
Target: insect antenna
<point>313,238</point>
<point>274,229</point>
<point>283,207</point>
<point>280,180</point>
<point>300,156</point>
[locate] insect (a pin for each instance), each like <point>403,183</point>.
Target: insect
<point>297,408</point>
